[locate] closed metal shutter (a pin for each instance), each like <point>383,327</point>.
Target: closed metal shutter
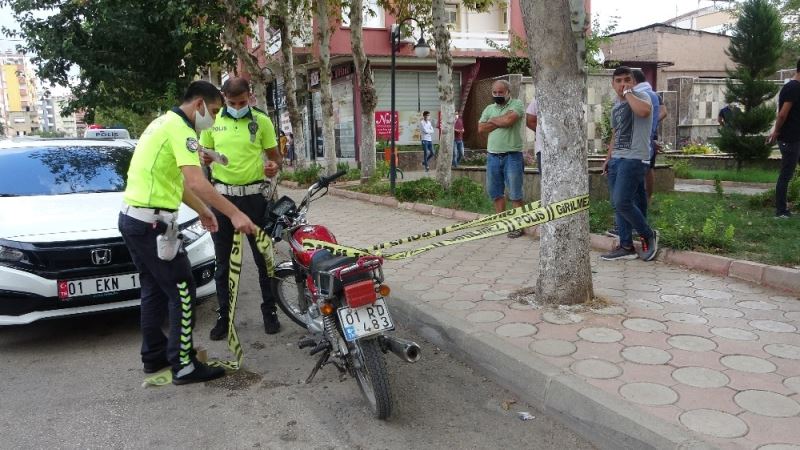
<point>414,91</point>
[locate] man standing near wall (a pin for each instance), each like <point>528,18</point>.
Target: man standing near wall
<point>505,165</point>
<point>658,115</point>
<point>458,140</point>
<point>626,164</point>
<point>787,133</point>
<point>532,122</point>
<point>426,133</point>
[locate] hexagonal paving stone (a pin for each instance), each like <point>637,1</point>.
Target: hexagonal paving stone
<point>494,296</point>
<point>436,295</point>
<point>792,315</point>
<point>758,305</point>
<point>521,306</point>
<point>648,394</point>
<point>679,299</point>
<point>745,363</point>
<point>685,318</point>
<point>553,347</point>
<point>725,313</point>
<point>644,325</point>
<point>646,355</point>
<point>596,368</point>
<point>779,447</point>
<point>772,326</point>
<point>460,305</point>
<point>714,423</point>
<point>610,310</point>
<point>417,287</point>
<point>767,403</point>
<point>692,343</point>
<point>645,304</point>
<point>600,335</point>
<point>786,351</point>
<point>485,316</point>
<point>715,294</point>
<point>562,317</point>
<point>700,377</point>
<point>516,329</point>
<point>793,383</point>
<point>736,334</point>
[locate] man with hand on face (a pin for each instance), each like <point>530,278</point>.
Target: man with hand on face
<point>505,165</point>
<point>164,171</point>
<point>626,165</point>
<point>244,135</point>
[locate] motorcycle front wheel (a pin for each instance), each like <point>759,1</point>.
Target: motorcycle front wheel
<point>369,369</point>
<point>290,296</point>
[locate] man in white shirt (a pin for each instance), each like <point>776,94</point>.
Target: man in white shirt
<point>426,131</point>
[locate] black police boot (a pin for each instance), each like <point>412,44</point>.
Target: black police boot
<point>202,372</point>
<point>271,323</point>
<point>220,330</point>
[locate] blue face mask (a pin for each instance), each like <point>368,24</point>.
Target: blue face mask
<point>238,113</point>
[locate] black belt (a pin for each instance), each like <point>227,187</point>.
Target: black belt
<point>502,155</point>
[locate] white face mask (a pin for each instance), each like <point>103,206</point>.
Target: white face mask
<point>238,113</point>
<point>204,121</point>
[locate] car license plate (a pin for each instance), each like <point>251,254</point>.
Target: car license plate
<point>68,289</point>
<point>366,320</point>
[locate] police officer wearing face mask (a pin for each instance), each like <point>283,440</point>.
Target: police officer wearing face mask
<point>244,135</point>
<point>164,172</point>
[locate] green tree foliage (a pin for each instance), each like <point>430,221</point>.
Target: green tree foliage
<point>132,55</point>
<point>756,47</point>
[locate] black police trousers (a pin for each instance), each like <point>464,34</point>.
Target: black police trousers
<point>168,292</point>
<point>254,206</point>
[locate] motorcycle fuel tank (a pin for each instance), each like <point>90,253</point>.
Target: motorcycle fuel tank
<point>316,232</point>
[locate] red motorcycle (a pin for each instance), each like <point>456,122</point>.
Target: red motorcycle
<point>339,300</point>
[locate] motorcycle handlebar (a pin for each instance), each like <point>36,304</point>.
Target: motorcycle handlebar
<point>325,181</point>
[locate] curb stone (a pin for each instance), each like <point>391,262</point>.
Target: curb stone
<point>609,422</point>
<point>777,277</point>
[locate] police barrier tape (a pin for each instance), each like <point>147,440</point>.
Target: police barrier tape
<point>264,245</point>
<point>519,218</point>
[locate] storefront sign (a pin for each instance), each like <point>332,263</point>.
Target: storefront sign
<point>383,125</point>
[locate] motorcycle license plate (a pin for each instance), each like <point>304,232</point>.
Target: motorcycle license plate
<point>366,320</point>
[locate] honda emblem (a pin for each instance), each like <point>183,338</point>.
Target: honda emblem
<point>101,256</point>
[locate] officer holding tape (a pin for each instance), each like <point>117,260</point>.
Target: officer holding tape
<point>164,171</point>
<point>244,135</point>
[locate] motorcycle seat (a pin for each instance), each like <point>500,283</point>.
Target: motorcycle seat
<point>324,261</point>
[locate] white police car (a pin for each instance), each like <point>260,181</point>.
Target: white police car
<point>60,251</point>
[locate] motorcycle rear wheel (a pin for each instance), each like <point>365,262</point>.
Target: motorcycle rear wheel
<point>369,368</point>
<point>290,296</point>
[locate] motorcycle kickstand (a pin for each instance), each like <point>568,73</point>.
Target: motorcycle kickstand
<point>323,358</point>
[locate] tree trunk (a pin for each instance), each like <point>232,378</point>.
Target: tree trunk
<point>290,84</point>
<point>555,30</point>
<point>366,81</point>
<point>234,38</point>
<point>444,69</point>
<point>322,10</point>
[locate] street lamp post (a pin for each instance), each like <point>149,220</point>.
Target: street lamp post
<point>421,50</point>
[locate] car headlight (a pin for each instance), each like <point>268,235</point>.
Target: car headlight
<point>192,231</point>
<point>10,254</point>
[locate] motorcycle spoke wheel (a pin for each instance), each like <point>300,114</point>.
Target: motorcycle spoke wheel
<point>290,297</point>
<point>372,377</point>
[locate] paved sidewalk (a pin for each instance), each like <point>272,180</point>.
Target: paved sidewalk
<point>680,357</point>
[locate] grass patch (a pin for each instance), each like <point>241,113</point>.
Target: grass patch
<point>728,226</point>
<point>742,176</point>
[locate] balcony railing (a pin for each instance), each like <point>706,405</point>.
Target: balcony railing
<point>476,40</point>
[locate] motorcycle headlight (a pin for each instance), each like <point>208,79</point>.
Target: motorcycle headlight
<point>192,231</point>
<point>10,254</point>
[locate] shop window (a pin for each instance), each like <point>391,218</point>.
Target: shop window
<point>373,15</point>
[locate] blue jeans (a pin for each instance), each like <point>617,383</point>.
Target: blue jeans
<point>427,153</point>
<point>458,152</point>
<point>505,170</point>
<point>790,154</point>
<point>626,188</point>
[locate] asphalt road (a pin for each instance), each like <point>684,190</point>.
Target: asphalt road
<point>76,383</point>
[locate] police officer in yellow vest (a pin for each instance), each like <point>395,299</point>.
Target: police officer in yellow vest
<point>165,171</point>
<point>244,135</point>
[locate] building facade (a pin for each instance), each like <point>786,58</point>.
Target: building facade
<point>50,112</point>
<point>18,96</point>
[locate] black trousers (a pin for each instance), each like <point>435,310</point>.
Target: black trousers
<point>254,206</point>
<point>790,156</point>
<point>168,293</point>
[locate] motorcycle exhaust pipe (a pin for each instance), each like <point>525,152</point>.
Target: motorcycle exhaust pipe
<point>406,350</point>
